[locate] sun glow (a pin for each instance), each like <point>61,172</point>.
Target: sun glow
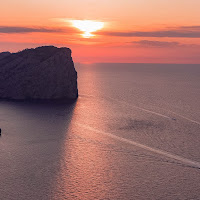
<point>87,26</point>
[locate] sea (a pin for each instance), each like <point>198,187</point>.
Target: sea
<point>133,134</point>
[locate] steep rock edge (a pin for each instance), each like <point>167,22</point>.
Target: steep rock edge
<point>43,73</point>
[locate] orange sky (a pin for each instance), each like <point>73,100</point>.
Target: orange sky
<point>158,31</point>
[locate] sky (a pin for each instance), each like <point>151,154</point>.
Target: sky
<point>133,31</point>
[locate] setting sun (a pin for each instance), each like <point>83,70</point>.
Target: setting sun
<point>87,26</point>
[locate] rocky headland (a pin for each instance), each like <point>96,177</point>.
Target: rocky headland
<point>43,73</point>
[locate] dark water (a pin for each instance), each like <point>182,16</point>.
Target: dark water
<point>134,133</point>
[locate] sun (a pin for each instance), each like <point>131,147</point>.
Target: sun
<point>87,26</point>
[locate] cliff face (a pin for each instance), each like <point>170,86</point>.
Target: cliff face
<point>43,73</point>
<point>4,54</point>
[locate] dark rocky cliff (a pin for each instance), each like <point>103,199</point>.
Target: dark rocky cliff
<point>45,73</point>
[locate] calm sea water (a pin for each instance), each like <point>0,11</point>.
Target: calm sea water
<point>134,133</point>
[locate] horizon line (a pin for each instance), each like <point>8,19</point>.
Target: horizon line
<point>89,63</point>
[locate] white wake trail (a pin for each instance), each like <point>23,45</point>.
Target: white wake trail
<point>154,150</point>
<point>155,113</point>
<point>150,111</point>
<point>143,109</point>
<point>188,119</point>
<point>127,104</point>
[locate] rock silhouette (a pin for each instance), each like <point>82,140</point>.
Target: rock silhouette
<point>43,73</point>
<point>4,54</point>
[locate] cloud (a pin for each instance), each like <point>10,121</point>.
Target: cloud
<point>190,28</point>
<point>159,44</point>
<point>19,29</point>
<point>175,32</point>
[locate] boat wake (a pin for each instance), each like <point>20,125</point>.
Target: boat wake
<point>183,160</point>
